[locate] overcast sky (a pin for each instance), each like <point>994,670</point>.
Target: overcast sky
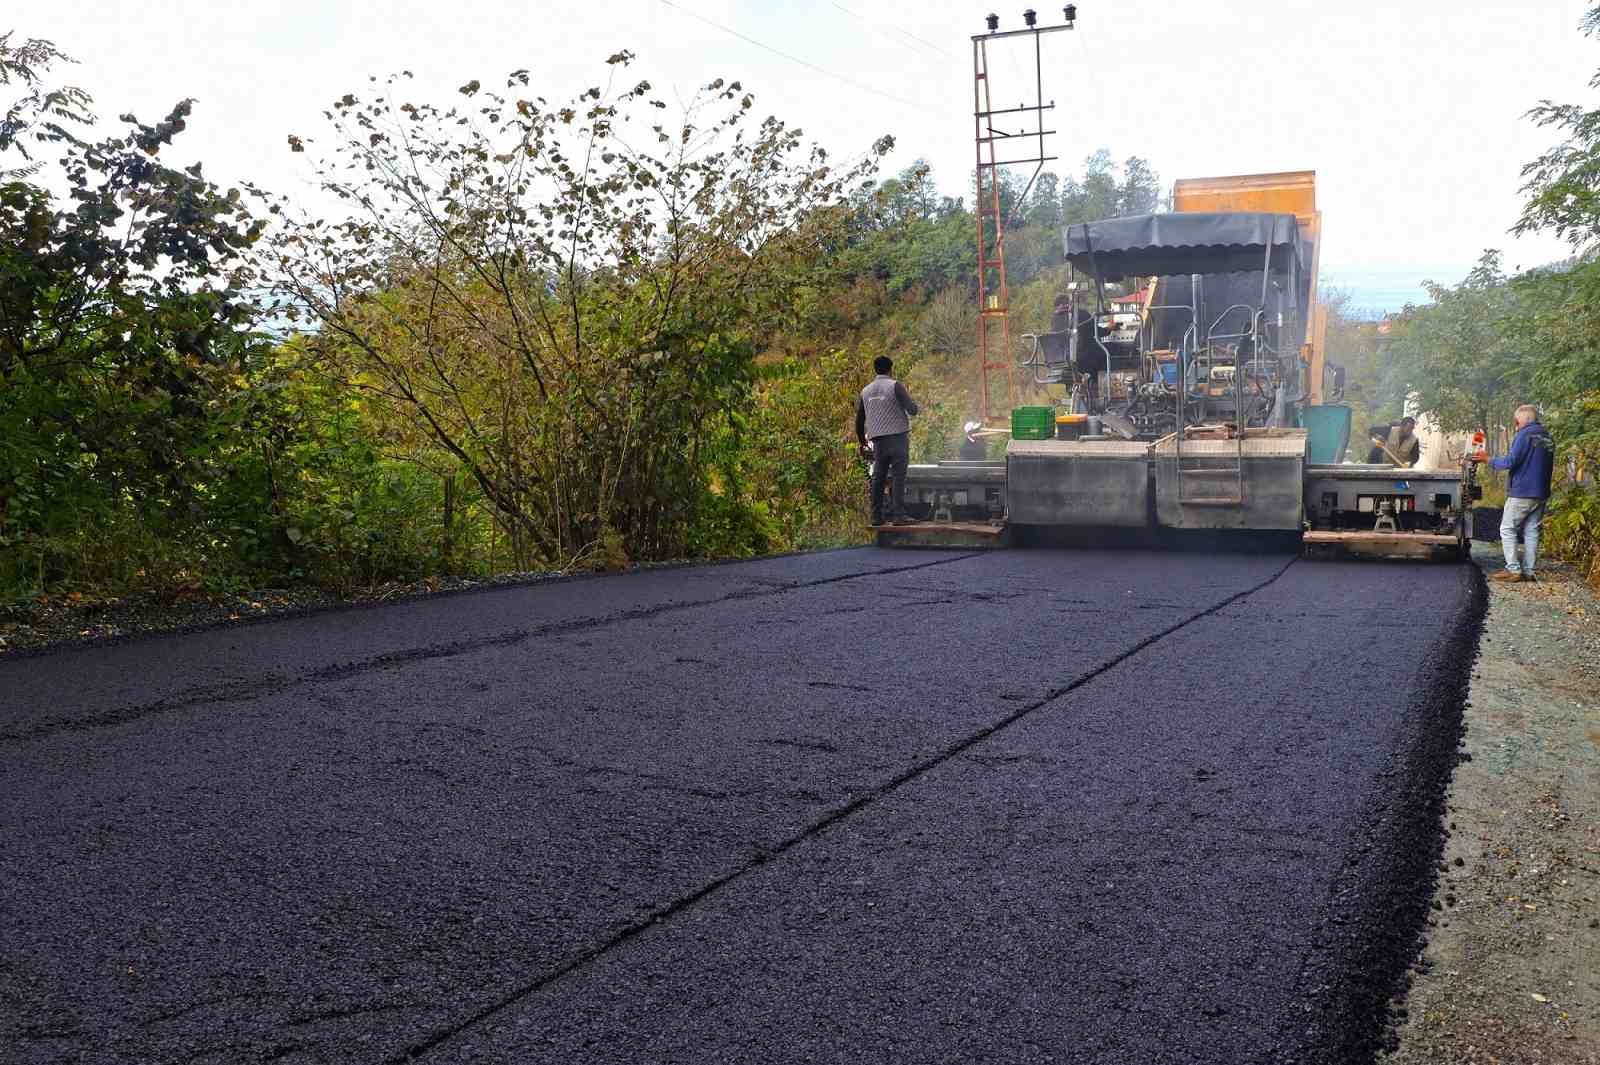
<point>1410,111</point>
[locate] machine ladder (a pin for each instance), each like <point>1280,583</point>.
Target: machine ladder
<point>1214,477</point>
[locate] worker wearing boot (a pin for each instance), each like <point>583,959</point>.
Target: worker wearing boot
<point>1395,443</point>
<point>1531,461</point>
<point>883,417</point>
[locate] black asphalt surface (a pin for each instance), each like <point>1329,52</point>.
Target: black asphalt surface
<point>862,805</point>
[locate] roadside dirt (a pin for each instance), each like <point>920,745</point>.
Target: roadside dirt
<point>1511,971</point>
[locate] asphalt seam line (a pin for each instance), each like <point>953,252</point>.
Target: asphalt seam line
<point>856,805</point>
<point>248,691</point>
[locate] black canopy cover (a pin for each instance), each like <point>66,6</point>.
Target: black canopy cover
<point>1150,245</point>
<point>1225,251</point>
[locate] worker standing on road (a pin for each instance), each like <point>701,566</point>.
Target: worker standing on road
<point>1396,443</point>
<point>883,423</point>
<point>1531,462</point>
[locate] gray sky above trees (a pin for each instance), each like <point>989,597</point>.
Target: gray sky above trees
<point>1410,111</point>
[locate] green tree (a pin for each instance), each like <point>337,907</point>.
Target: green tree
<point>1464,358</point>
<point>1098,193</point>
<point>1375,382</point>
<point>569,299</point>
<point>1044,206</point>
<point>1563,184</point>
<point>1563,303</point>
<point>124,319</point>
<point>1140,192</point>
<point>914,196</point>
<point>1560,314</point>
<point>1101,197</point>
<point>1563,187</point>
<point>40,117</point>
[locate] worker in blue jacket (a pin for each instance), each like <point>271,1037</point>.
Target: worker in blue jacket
<point>1531,462</point>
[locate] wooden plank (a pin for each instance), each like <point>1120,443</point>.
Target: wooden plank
<point>975,527</point>
<point>1423,546</point>
<point>1323,536</point>
<point>942,534</point>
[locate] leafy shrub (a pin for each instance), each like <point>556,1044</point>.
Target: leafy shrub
<point>1572,531</point>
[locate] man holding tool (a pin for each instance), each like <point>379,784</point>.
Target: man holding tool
<point>1395,442</point>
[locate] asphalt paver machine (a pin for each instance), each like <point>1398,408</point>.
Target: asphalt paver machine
<point>1198,400</point>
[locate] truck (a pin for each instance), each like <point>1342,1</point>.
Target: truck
<point>1198,401</point>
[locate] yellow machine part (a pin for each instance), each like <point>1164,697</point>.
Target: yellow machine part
<point>1292,192</point>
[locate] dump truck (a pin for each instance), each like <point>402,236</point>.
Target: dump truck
<point>1198,400</point>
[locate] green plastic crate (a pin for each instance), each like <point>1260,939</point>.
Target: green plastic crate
<point>1033,423</point>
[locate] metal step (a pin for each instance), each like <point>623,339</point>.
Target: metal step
<point>1217,497</point>
<point>1201,474</point>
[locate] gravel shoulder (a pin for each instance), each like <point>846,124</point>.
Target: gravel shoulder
<point>1511,972</point>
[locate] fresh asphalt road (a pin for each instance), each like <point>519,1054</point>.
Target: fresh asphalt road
<point>860,805</point>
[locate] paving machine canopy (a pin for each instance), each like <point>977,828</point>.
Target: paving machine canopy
<point>1153,245</point>
<point>1215,336</point>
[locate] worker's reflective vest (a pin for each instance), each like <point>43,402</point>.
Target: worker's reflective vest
<point>1404,447</point>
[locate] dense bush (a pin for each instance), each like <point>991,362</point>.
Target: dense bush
<point>529,342</point>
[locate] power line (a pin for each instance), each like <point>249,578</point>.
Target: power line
<point>805,63</point>
<point>904,33</point>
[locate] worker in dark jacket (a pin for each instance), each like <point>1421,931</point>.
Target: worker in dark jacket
<point>1531,461</point>
<point>883,423</point>
<point>1395,443</point>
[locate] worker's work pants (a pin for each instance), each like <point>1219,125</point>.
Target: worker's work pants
<point>1527,515</point>
<point>890,456</point>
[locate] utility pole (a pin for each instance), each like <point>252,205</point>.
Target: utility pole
<point>994,296</point>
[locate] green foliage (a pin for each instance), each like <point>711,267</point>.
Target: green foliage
<point>1466,359</point>
<point>121,318</point>
<point>1572,531</point>
<point>1375,383</point>
<point>1563,309</point>
<point>1099,194</point>
<point>1563,184</point>
<point>1141,189</point>
<point>911,240</point>
<point>1491,343</point>
<point>148,438</point>
<point>40,117</point>
<point>802,450</point>
<point>529,341</point>
<point>912,253</point>
<point>580,339</point>
<point>1561,316</point>
<point>314,491</point>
